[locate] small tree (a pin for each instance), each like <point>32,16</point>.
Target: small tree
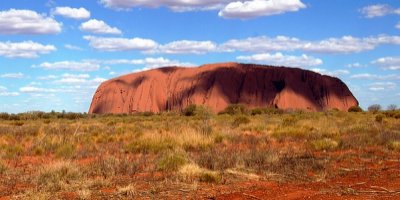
<point>374,108</point>
<point>392,107</point>
<point>355,109</point>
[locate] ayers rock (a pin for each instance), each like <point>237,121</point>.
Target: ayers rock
<point>219,85</point>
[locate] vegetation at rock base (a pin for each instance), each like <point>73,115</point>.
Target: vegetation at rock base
<point>44,155</point>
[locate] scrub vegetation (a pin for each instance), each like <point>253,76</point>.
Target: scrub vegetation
<point>199,154</point>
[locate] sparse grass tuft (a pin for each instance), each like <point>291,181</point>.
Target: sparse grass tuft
<point>210,177</point>
<point>171,162</point>
<point>394,145</point>
<point>56,176</point>
<point>324,144</point>
<point>65,151</point>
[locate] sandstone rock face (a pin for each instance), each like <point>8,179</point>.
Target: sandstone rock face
<point>219,85</point>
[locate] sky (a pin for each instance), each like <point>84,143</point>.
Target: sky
<point>54,54</point>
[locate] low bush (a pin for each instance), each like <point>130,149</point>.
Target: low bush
<point>235,109</point>
<point>240,120</point>
<point>324,144</point>
<point>171,162</point>
<point>355,109</point>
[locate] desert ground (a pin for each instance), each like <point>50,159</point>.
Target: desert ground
<point>196,154</point>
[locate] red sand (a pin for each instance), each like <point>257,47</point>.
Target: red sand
<point>218,85</point>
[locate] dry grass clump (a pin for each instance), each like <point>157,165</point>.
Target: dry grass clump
<point>114,151</point>
<point>58,176</point>
<point>171,161</point>
<point>107,167</point>
<point>191,172</point>
<point>394,145</point>
<point>324,144</point>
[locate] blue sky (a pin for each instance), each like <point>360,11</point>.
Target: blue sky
<point>54,54</point>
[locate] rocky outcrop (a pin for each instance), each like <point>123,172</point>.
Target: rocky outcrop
<point>219,85</point>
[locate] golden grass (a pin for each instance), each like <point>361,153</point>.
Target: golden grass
<point>86,155</point>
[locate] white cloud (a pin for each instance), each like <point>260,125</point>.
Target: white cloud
<point>9,94</point>
<point>282,60</point>
<point>73,79</point>
<point>175,5</point>
<point>73,47</point>
<point>375,76</point>
<point>12,75</point>
<point>335,73</point>
<point>149,63</point>
<point>388,63</point>
<point>262,44</point>
<point>74,13</point>
<point>188,47</point>
<point>32,89</point>
<point>346,44</point>
<point>98,27</point>
<point>343,45</point>
<point>27,22</point>
<point>48,77</point>
<point>380,86</point>
<point>121,44</point>
<point>378,10</point>
<point>398,25</point>
<point>70,65</point>
<point>26,49</point>
<point>4,92</point>
<point>355,65</point>
<point>257,8</point>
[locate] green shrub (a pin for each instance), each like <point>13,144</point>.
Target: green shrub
<point>355,109</point>
<point>210,177</point>
<point>235,109</point>
<point>190,110</point>
<point>65,151</point>
<point>240,120</point>
<point>171,162</point>
<point>256,111</point>
<point>324,144</point>
<point>394,145</point>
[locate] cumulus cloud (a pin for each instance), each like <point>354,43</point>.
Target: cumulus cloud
<point>282,60</point>
<point>12,75</point>
<point>388,63</point>
<point>149,63</point>
<point>73,47</point>
<point>378,10</point>
<point>355,65</point>
<point>33,89</point>
<point>175,5</point>
<point>27,22</point>
<point>5,93</point>
<point>335,73</point>
<point>121,44</point>
<point>343,45</point>
<point>257,8</point>
<point>262,44</point>
<point>369,76</point>
<point>70,65</point>
<point>79,79</point>
<point>26,49</point>
<point>98,27</point>
<point>188,47</point>
<point>74,13</point>
<point>380,86</point>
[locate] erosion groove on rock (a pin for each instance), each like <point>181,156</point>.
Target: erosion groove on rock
<point>219,85</point>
